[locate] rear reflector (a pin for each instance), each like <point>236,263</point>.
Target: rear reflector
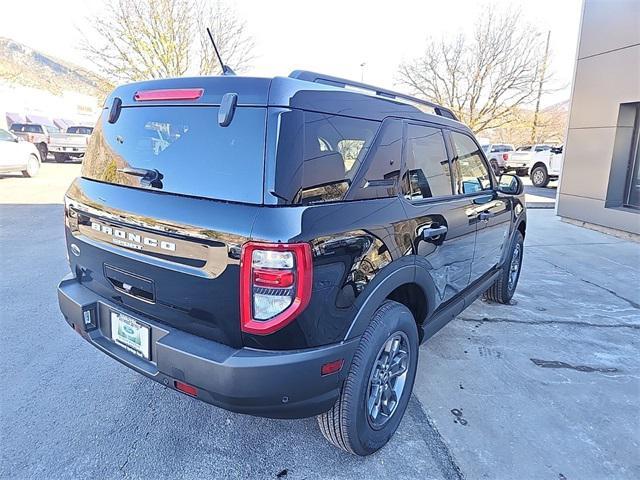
<point>332,367</point>
<point>186,388</point>
<point>170,94</point>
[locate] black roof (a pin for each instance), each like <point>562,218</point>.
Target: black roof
<point>303,90</point>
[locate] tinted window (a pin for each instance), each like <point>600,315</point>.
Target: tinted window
<point>81,130</point>
<point>183,150</point>
<point>427,163</point>
<point>319,154</point>
<point>501,148</point>
<point>5,136</point>
<point>383,163</point>
<point>23,127</point>
<point>542,148</point>
<point>470,171</point>
<point>524,149</point>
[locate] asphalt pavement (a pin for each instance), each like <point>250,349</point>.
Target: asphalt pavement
<point>545,388</point>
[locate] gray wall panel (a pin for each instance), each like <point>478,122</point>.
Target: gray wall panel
<point>608,25</point>
<point>602,83</point>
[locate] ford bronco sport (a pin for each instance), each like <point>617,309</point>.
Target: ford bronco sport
<point>281,247</point>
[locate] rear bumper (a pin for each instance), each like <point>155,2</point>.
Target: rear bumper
<point>276,384</point>
<point>517,164</point>
<point>71,150</point>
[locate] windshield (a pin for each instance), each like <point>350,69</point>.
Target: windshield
<point>181,150</point>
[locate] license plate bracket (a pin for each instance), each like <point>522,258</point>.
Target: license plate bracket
<point>131,334</point>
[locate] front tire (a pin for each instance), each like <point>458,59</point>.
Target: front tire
<point>539,176</point>
<point>376,391</point>
<point>33,167</point>
<point>505,285</point>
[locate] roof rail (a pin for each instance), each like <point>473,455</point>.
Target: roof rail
<point>381,92</point>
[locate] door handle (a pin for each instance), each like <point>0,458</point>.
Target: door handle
<point>432,232</point>
<point>485,216</point>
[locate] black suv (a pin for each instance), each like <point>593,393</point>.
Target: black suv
<point>281,247</point>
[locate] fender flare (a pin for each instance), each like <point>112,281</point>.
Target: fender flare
<point>391,277</point>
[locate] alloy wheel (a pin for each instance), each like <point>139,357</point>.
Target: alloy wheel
<point>514,266</point>
<point>387,379</point>
<point>538,177</point>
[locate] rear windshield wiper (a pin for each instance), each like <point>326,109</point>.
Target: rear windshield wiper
<point>139,172</point>
<point>148,177</point>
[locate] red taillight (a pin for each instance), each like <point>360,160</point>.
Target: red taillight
<point>273,278</point>
<point>275,285</point>
<point>169,94</point>
<point>186,388</point>
<point>505,156</point>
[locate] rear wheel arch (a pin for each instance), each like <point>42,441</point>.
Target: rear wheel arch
<point>538,164</point>
<point>407,284</point>
<point>412,296</point>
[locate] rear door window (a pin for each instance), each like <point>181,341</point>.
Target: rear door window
<point>181,150</point>
<point>427,163</point>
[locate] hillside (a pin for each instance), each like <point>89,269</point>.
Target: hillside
<point>22,65</point>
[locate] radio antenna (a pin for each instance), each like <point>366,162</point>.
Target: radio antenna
<point>226,70</point>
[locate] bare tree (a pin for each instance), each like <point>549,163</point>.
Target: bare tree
<point>483,77</point>
<point>229,32</point>
<point>143,39</point>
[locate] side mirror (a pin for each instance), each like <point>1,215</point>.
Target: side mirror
<point>510,184</point>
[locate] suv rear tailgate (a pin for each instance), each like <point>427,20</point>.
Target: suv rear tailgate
<point>171,257</point>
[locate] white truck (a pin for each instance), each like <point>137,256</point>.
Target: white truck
<point>542,162</point>
<point>70,144</point>
<point>498,155</point>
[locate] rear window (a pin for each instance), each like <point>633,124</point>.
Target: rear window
<point>29,128</point>
<point>181,150</point>
<point>80,130</point>
<point>318,155</point>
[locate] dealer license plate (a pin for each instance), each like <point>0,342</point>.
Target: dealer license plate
<point>130,334</point>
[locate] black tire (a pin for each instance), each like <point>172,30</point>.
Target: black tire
<point>44,151</point>
<point>539,176</point>
<point>522,172</point>
<point>495,167</point>
<point>60,157</point>
<point>505,286</point>
<point>349,425</point>
<point>33,167</point>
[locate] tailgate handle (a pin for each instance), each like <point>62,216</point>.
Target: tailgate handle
<point>130,284</point>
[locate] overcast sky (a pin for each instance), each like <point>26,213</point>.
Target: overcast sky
<point>331,36</point>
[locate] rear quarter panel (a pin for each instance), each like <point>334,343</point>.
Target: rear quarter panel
<point>352,242</point>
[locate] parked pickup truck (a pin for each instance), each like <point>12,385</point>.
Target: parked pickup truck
<point>33,133</point>
<point>522,159</point>
<point>498,155</point>
<point>546,166</point>
<point>70,144</point>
